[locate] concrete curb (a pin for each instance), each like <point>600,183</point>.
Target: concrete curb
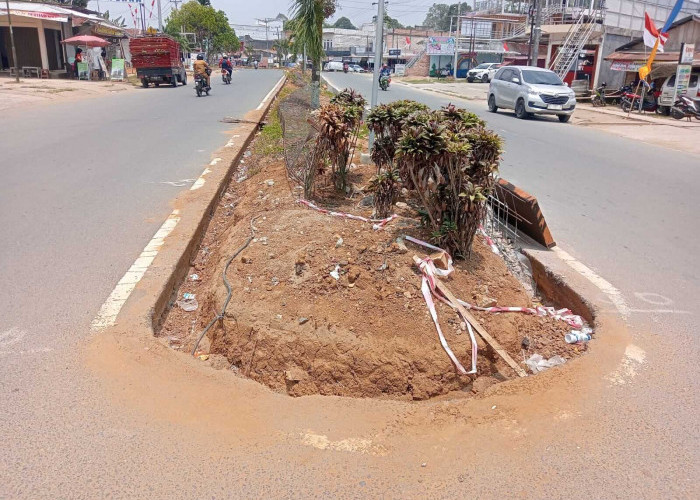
<point>142,313</point>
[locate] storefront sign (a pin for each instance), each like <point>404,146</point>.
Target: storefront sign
<point>682,80</point>
<point>441,45</point>
<point>626,66</point>
<point>117,72</point>
<point>394,52</point>
<point>687,53</point>
<point>400,69</point>
<point>685,67</point>
<point>37,15</point>
<point>106,31</point>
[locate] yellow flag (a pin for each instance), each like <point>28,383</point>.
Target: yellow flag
<point>646,69</point>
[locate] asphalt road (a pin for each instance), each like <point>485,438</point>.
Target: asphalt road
<point>85,185</point>
<point>625,209</point>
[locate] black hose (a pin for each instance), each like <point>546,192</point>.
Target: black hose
<point>229,291</point>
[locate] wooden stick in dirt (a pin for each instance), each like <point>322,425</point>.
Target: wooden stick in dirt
<point>479,329</point>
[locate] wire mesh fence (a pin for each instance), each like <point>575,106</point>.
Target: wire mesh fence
<point>299,138</point>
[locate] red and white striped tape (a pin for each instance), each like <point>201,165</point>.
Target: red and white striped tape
<point>489,241</point>
<point>430,271</point>
<point>376,223</point>
<point>428,288</point>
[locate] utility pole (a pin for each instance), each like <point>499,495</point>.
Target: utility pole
<point>457,33</point>
<point>160,18</point>
<point>12,41</point>
<point>536,32</point>
<point>378,53</point>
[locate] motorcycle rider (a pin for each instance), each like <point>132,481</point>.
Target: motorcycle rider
<point>226,65</point>
<point>202,68</point>
<point>385,71</point>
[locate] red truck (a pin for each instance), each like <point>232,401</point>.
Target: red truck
<point>158,59</point>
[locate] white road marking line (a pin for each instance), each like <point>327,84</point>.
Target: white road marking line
<point>602,284</point>
<point>11,336</point>
<point>28,351</point>
<point>627,370</point>
<point>262,103</point>
<point>214,161</point>
<point>654,298</point>
<point>180,183</point>
<point>200,182</point>
<point>110,309</point>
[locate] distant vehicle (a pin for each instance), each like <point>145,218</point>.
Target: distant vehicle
<point>384,82</point>
<point>157,59</point>
<point>333,66</point>
<point>666,97</point>
<point>483,72</point>
<point>200,85</point>
<point>529,90</point>
<point>356,68</point>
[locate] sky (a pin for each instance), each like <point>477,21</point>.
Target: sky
<point>408,12</point>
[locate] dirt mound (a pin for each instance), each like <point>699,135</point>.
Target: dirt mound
<point>295,328</point>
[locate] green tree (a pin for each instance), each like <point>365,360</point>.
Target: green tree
<point>211,27</point>
<point>392,23</point>
<point>440,14</point>
<point>344,23</point>
<point>307,23</point>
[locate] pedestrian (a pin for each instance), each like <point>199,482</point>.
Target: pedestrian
<point>78,59</point>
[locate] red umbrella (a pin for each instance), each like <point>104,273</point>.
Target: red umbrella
<point>86,40</point>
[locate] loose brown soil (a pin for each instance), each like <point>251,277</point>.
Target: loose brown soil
<point>294,328</point>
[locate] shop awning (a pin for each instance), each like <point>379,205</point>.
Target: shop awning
<point>49,16</point>
<point>632,61</point>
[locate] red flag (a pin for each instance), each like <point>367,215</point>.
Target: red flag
<point>408,41</point>
<point>651,34</point>
<point>505,46</point>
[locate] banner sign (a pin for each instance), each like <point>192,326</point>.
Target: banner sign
<point>441,45</point>
<point>687,53</point>
<point>83,73</point>
<point>394,52</point>
<point>117,72</point>
<point>626,65</point>
<point>683,70</point>
<point>400,69</point>
<point>51,16</point>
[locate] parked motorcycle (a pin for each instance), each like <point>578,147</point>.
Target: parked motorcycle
<point>226,76</point>
<point>384,82</point>
<point>650,102</point>
<point>200,85</point>
<point>685,107</point>
<point>599,98</point>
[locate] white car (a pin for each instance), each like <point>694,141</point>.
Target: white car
<point>333,66</point>
<point>669,85</point>
<point>483,72</point>
<point>529,90</point>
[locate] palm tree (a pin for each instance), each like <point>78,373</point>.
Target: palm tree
<point>308,16</point>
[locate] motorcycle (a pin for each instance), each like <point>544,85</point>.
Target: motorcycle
<point>345,68</point>
<point>685,107</point>
<point>226,76</point>
<point>650,103</point>
<point>200,85</point>
<point>384,82</point>
<point>599,98</point>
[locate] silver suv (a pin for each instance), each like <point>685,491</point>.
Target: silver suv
<point>530,90</point>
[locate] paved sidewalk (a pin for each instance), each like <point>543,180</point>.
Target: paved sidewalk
<point>30,91</point>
